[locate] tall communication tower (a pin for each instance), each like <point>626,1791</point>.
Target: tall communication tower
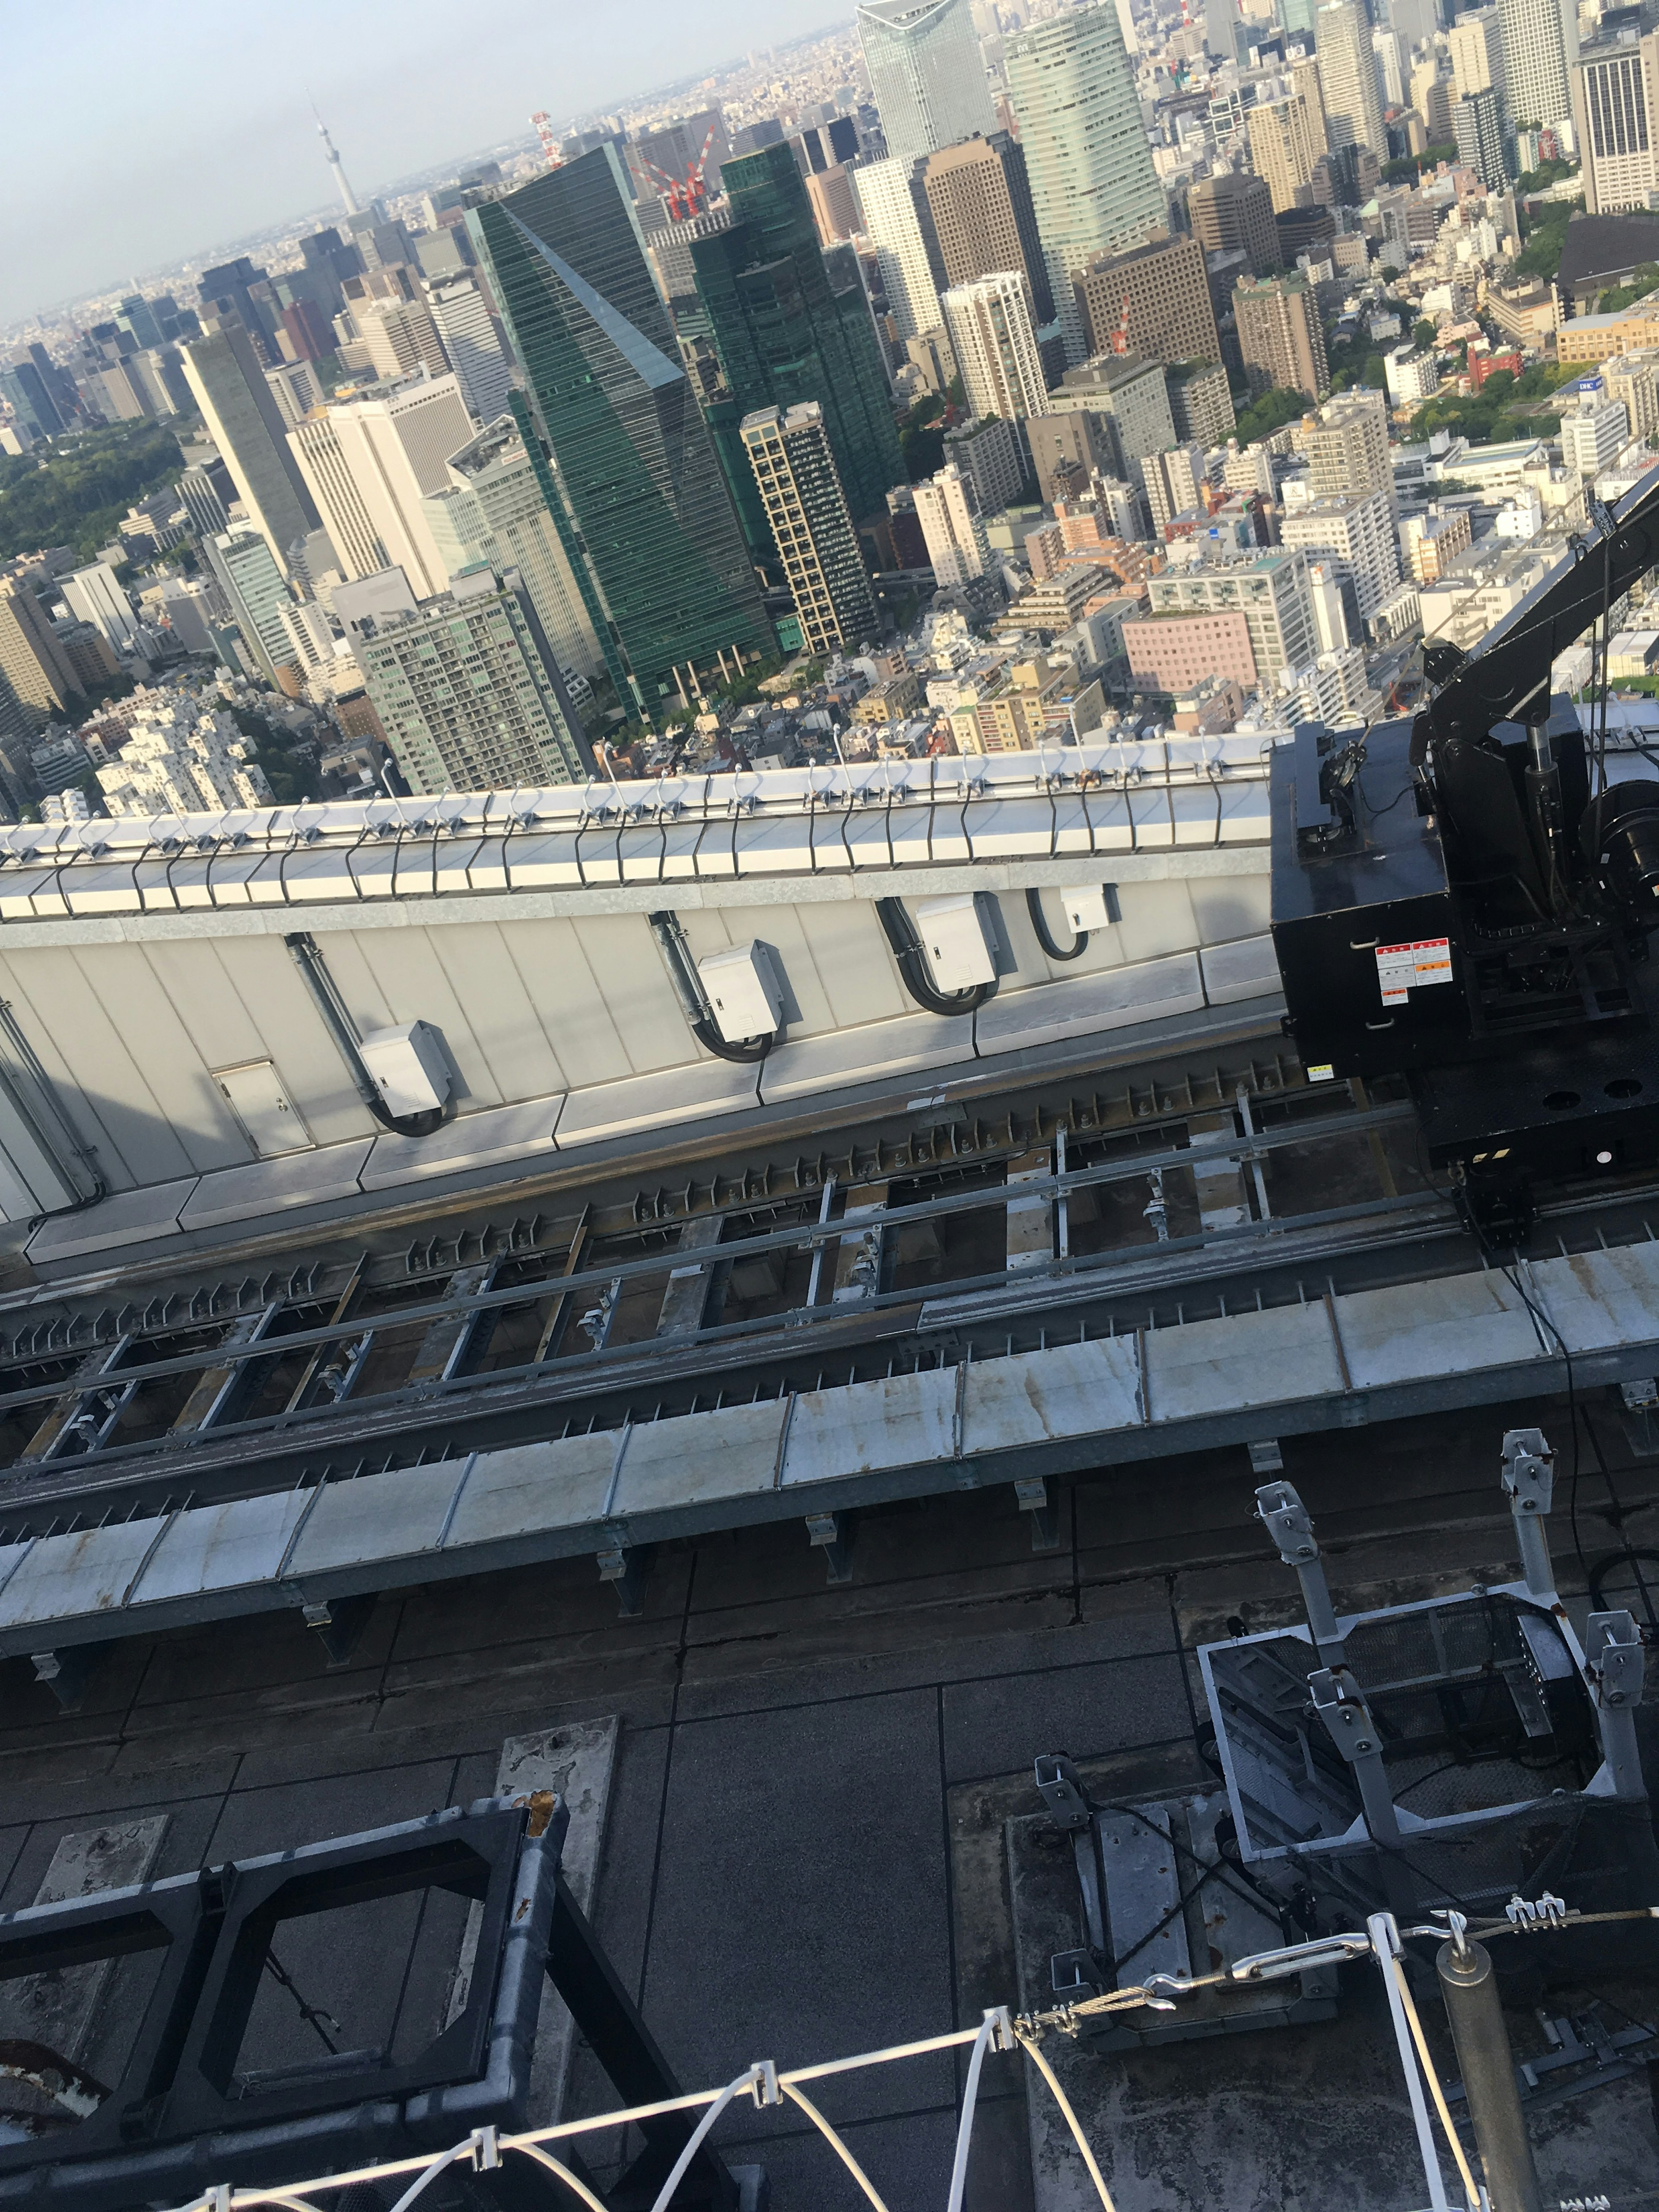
<point>338,168</point>
<point>543,126</point>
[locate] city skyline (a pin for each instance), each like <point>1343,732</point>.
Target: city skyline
<point>399,92</point>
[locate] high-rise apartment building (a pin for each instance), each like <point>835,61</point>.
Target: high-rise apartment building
<point>1153,302</point>
<point>888,194</point>
<point>1306,82</point>
<point>181,757</point>
<point>1431,97</point>
<point>811,526</point>
<point>1174,482</point>
<point>1200,402</point>
<point>1540,40</point>
<point>995,346</point>
<point>1348,76</point>
<point>1280,336</point>
<point>469,692</point>
<point>1347,448</point>
<point>473,345</point>
<point>244,422</point>
<point>1354,531</point>
<point>493,510</point>
<point>791,322</point>
<point>372,459</point>
<point>957,548</point>
<point>615,431</point>
<point>1478,124</point>
<point>1615,112</point>
<point>984,221</point>
<point>1283,146</point>
<point>926,72</point>
<point>1234,213</point>
<point>1093,185</point>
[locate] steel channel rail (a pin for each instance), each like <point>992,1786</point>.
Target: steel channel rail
<point>473,1411</point>
<point>802,1238</point>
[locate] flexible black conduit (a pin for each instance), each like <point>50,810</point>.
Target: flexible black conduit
<point>306,957</point>
<point>913,965</point>
<point>688,986</point>
<point>1034,908</point>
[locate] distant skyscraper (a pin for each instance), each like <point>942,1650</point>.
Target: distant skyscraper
<point>995,346</point>
<point>474,349</point>
<point>1283,147</point>
<point>36,681</point>
<point>244,422</point>
<point>926,72</point>
<point>510,525</point>
<point>887,194</point>
<point>469,692</point>
<point>1155,300</point>
<point>984,221</point>
<point>1348,74</point>
<point>1540,44</point>
<point>1093,185</point>
<point>22,384</point>
<point>1615,106</point>
<point>791,322</point>
<point>811,526</point>
<point>247,574</point>
<point>1479,124</point>
<point>392,445</point>
<point>616,433</point>
<point>1232,210</point>
<point>1476,44</point>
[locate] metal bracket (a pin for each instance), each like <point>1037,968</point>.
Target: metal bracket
<point>1528,1479</point>
<point>66,1674</point>
<point>1616,1663</point>
<point>1032,1491</point>
<point>832,1535</point>
<point>1266,1458</point>
<point>339,1623</point>
<point>1288,1522</point>
<point>1340,1704</point>
<point>625,1567</point>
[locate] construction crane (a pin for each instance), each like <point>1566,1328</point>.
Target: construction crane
<point>543,124</point>
<point>683,196</point>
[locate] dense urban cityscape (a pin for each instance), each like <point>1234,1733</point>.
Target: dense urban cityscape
<point>990,374</point>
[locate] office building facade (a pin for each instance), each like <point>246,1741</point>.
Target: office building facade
<point>811,526</point>
<point>1231,213</point>
<point>792,325</point>
<point>473,345</point>
<point>246,569</point>
<point>1615,103</point>
<point>983,222</point>
<point>372,459</point>
<point>1478,126</point>
<point>615,431</point>
<point>995,345</point>
<point>952,527</point>
<point>228,383</point>
<point>1270,589</point>
<point>926,73</point>
<point>469,691</point>
<point>1539,40</point>
<point>1155,300</point>
<point>1093,186</point>
<point>1353,532</point>
<point>893,209</point>
<point>36,681</point>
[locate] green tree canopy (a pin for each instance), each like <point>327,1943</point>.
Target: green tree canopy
<point>1271,412</point>
<point>75,491</point>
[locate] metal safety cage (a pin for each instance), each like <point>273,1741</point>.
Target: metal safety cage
<point>186,2114</point>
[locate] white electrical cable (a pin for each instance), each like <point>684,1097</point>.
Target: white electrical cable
<point>965,2126</point>
<point>665,2194</point>
<point>1028,2046</point>
<point>836,2142</point>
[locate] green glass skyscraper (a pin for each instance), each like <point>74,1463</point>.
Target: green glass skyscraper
<point>791,324</point>
<point>610,420</point>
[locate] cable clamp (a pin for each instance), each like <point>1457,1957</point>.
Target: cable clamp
<point>1533,1915</point>
<point>763,2083</point>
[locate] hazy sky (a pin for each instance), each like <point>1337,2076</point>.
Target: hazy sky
<point>134,137</point>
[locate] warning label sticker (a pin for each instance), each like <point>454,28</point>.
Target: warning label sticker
<point>1400,967</point>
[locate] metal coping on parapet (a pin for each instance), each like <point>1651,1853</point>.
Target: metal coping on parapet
<point>1165,764</point>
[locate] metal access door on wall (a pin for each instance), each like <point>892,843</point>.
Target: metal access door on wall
<point>268,1120</point>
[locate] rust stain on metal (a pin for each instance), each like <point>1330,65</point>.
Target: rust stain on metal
<point>542,1802</point>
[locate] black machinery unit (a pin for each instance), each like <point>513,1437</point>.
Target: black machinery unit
<point>1465,899</point>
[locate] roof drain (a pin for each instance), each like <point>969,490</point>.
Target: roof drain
<point>308,959</point>
<point>913,965</point>
<point>694,1000</point>
<point>1034,908</point>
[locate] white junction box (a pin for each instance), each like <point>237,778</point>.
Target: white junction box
<point>742,989</point>
<point>959,947</point>
<point>410,1067</point>
<point>254,1093</point>
<point>1089,906</point>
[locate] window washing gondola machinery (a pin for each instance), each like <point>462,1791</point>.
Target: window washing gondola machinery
<point>1466,899</point>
